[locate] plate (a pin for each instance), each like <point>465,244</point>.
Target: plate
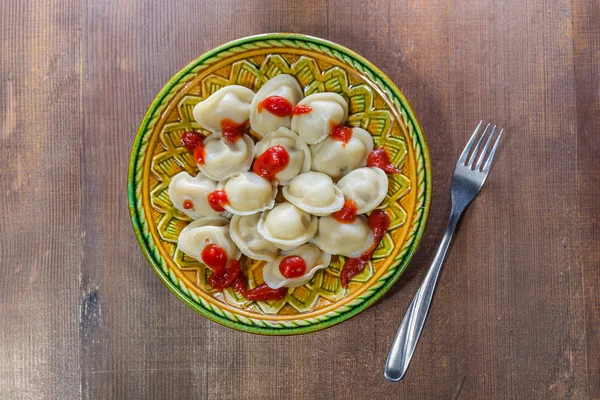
<point>375,104</point>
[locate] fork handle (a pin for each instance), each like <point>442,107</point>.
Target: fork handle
<point>409,331</point>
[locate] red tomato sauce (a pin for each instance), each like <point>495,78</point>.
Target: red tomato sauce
<point>188,204</point>
<point>292,266</point>
<point>232,131</point>
<point>347,214</point>
<point>227,276</point>
<point>194,142</point>
<point>379,158</point>
<point>218,200</point>
<point>341,133</point>
<point>272,161</point>
<point>214,257</point>
<point>281,107</point>
<point>379,222</point>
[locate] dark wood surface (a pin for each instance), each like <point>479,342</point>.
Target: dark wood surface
<point>517,311</point>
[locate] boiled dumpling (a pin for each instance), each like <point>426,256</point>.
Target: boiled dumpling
<point>189,194</point>
<point>314,193</point>
<point>366,187</point>
<point>287,226</point>
<point>204,231</point>
<point>348,239</point>
<point>243,231</point>
<point>298,153</point>
<point>336,158</point>
<point>248,193</point>
<point>285,86</point>
<point>223,158</point>
<point>328,111</point>
<point>314,260</point>
<point>228,103</point>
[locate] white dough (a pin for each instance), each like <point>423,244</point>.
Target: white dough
<point>314,258</point>
<point>285,86</point>
<point>184,187</point>
<point>347,239</point>
<point>336,158</point>
<point>365,186</point>
<point>230,102</point>
<point>224,159</point>
<point>248,193</point>
<point>315,193</point>
<point>287,226</point>
<point>328,111</point>
<point>297,150</point>
<point>243,231</point>
<point>204,231</point>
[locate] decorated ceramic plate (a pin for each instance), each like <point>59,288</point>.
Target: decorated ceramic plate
<point>374,104</point>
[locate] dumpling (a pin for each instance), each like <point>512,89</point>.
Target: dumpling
<point>328,111</point>
<point>243,231</point>
<point>262,121</point>
<point>314,193</point>
<point>189,194</point>
<point>295,268</point>
<point>223,158</point>
<point>336,158</point>
<point>248,193</point>
<point>365,186</point>
<point>298,156</point>
<point>206,231</point>
<point>287,226</point>
<point>230,104</point>
<point>348,239</point>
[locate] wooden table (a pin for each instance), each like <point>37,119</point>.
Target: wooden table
<point>517,311</point>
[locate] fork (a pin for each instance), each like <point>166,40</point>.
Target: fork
<point>467,181</point>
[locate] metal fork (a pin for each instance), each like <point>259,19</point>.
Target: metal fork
<point>467,181</point>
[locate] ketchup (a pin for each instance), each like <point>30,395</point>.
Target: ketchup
<point>281,107</point>
<point>271,162</point>
<point>232,131</point>
<point>379,158</point>
<point>188,204</point>
<point>259,293</point>
<point>379,222</point>
<point>227,277</point>
<point>217,200</point>
<point>214,257</point>
<point>341,133</point>
<point>347,214</point>
<point>194,142</point>
<point>292,266</point>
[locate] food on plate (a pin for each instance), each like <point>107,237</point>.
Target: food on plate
<point>366,187</point>
<point>227,110</point>
<point>296,267</point>
<point>189,194</point>
<point>328,110</point>
<point>281,155</point>
<point>273,104</point>
<point>343,238</point>
<point>244,233</point>
<point>342,151</point>
<point>340,178</point>
<point>246,194</point>
<point>287,226</point>
<point>315,193</point>
<point>201,238</point>
<point>220,158</point>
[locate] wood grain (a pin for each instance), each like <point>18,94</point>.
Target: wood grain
<point>517,311</point>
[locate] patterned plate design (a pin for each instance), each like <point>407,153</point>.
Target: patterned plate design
<point>375,105</point>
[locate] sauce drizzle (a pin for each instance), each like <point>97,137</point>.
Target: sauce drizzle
<point>281,107</point>
<point>379,222</point>
<point>231,130</point>
<point>271,162</point>
<point>218,200</point>
<point>215,258</point>
<point>188,204</point>
<point>292,267</point>
<point>341,133</point>
<point>347,214</point>
<point>380,159</point>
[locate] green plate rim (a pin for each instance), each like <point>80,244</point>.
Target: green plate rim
<point>423,172</point>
